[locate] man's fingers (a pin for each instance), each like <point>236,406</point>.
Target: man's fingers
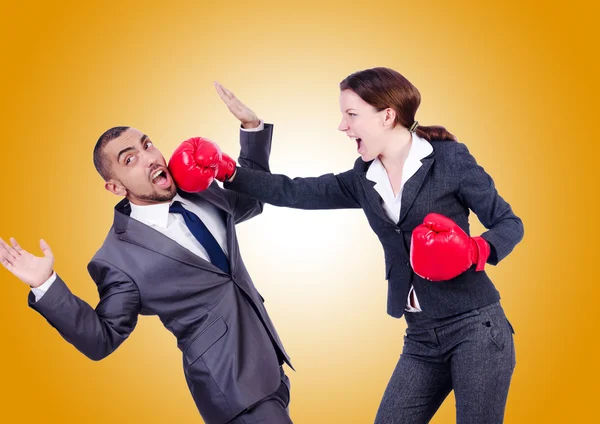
<point>6,263</point>
<point>16,245</point>
<point>9,251</point>
<point>45,248</point>
<point>5,257</point>
<point>220,91</point>
<point>225,94</point>
<point>229,93</point>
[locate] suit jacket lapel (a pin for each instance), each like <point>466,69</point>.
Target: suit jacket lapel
<point>211,195</point>
<point>409,192</point>
<point>132,231</point>
<point>413,186</point>
<point>373,198</point>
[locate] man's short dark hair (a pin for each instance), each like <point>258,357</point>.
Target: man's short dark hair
<point>101,160</point>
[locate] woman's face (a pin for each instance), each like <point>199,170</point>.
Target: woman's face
<point>362,123</point>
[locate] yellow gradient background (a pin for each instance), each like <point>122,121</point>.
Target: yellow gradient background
<point>516,82</point>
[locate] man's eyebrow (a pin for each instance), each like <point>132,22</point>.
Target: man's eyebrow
<point>127,149</point>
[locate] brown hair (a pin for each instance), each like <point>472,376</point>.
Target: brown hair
<point>383,88</point>
<point>101,161</point>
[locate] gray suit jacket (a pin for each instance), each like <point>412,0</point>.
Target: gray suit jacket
<point>450,182</point>
<point>231,351</point>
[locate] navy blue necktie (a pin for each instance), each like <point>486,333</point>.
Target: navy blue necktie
<point>204,237</point>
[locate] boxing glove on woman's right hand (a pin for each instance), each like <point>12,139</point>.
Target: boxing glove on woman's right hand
<point>197,162</point>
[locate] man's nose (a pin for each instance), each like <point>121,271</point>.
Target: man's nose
<point>149,159</point>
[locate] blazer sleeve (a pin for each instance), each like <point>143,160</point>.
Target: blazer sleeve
<point>94,332</point>
<point>328,191</point>
<point>478,192</point>
<point>254,154</point>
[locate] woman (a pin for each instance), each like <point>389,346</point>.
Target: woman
<point>458,337</point>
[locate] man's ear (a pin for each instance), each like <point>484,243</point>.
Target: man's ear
<point>115,187</point>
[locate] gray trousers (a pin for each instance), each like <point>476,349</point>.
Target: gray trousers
<point>472,354</point>
<point>274,409</point>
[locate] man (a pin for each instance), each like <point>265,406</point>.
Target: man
<point>156,261</point>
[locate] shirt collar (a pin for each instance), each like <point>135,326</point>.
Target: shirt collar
<point>419,149</point>
<point>157,214</point>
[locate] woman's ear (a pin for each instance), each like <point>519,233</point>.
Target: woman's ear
<point>389,117</point>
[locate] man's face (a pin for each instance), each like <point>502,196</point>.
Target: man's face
<point>139,170</point>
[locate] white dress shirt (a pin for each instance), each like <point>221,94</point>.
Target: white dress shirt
<point>173,226</point>
<point>419,149</point>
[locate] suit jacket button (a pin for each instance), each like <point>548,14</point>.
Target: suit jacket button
<point>408,264</point>
<point>398,230</point>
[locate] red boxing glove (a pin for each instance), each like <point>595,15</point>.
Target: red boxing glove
<point>441,250</point>
<point>226,168</point>
<point>197,162</point>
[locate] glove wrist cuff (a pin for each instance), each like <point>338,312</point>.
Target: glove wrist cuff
<point>483,252</point>
<point>226,168</point>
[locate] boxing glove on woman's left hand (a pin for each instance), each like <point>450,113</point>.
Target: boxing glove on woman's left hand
<point>441,250</point>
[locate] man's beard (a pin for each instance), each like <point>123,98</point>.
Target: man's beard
<point>155,196</point>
